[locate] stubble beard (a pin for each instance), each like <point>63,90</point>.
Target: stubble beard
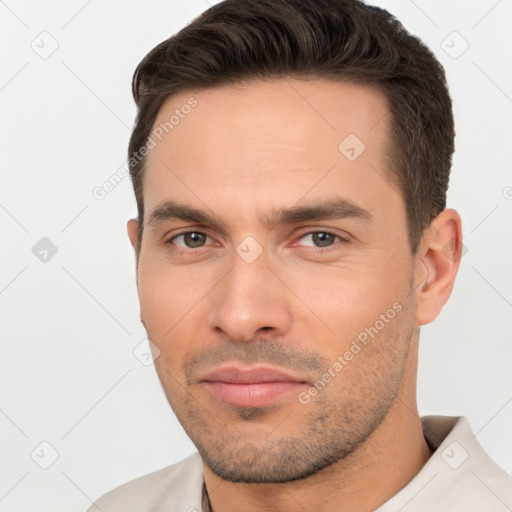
<point>328,429</point>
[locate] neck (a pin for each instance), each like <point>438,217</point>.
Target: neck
<point>385,463</point>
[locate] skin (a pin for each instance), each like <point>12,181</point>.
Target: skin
<point>242,154</point>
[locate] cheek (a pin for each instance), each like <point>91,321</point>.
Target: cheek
<point>342,302</point>
<point>166,295</point>
<point>157,303</point>
<point>171,311</point>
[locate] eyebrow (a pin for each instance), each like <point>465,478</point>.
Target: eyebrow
<point>338,208</point>
<point>171,210</point>
<point>333,209</point>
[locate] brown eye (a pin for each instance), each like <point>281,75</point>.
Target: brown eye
<point>190,239</point>
<point>319,239</point>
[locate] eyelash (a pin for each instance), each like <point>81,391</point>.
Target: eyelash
<point>334,245</point>
<point>183,233</point>
<point>189,250</point>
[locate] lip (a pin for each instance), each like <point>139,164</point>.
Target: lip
<point>250,387</point>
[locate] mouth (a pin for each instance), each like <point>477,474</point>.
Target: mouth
<point>251,387</point>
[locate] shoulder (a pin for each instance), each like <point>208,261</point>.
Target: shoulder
<point>468,474</point>
<point>177,487</point>
<point>459,476</point>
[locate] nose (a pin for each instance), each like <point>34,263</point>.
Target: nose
<point>250,301</point>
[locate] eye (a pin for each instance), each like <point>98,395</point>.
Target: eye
<point>190,240</point>
<point>319,239</point>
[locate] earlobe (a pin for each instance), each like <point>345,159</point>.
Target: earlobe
<point>438,261</point>
<point>133,228</point>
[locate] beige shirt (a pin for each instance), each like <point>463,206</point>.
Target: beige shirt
<point>459,477</point>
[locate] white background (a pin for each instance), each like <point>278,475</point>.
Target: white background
<point>69,326</point>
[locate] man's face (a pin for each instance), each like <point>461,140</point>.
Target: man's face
<point>275,274</point>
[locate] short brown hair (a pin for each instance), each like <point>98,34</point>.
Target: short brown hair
<point>341,40</point>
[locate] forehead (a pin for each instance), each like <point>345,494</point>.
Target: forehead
<point>289,111</point>
<point>268,141</point>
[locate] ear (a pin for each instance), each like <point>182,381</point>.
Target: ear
<point>437,263</point>
<point>133,228</point>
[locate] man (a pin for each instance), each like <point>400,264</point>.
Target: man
<point>290,161</point>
